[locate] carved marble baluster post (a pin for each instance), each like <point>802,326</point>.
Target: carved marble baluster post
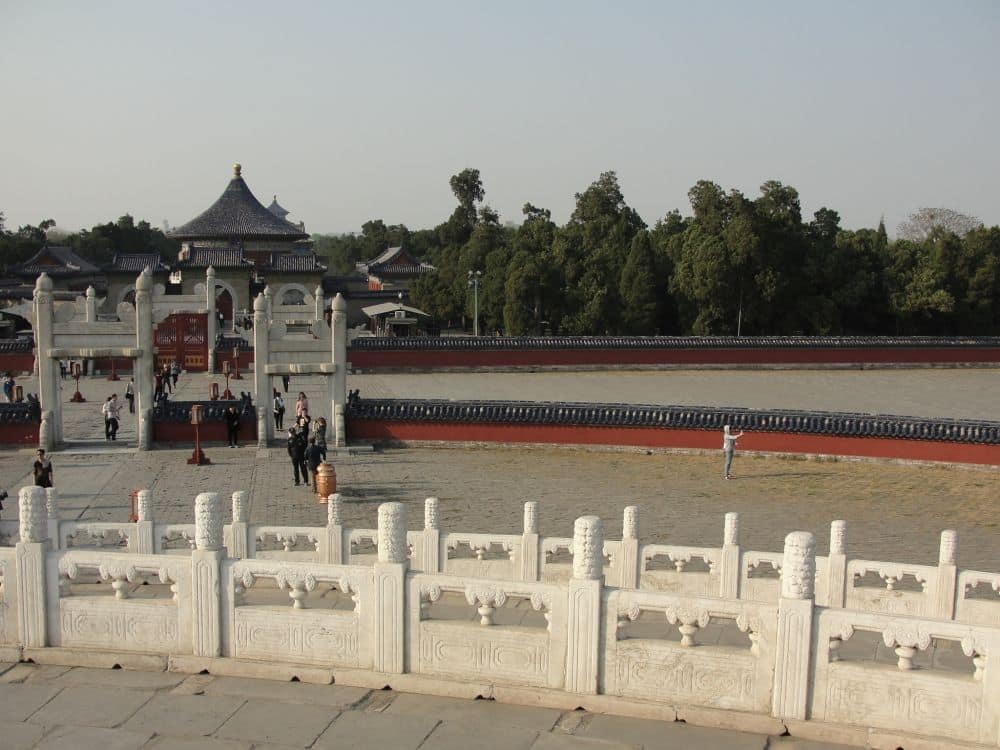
<point>390,588</point>
<point>529,543</point>
<point>946,580</point>
<point>269,301</point>
<point>836,566</point>
<point>628,564</point>
<point>52,515</point>
<point>144,526</point>
<point>338,339</point>
<point>584,621</point>
<point>238,542</point>
<point>794,634</point>
<point>332,541</point>
<point>90,305</point>
<point>729,561</point>
<point>48,368</point>
<point>261,354</point>
<point>206,560</point>
<point>432,538</point>
<point>319,302</point>
<point>143,365</point>
<point>30,553</point>
<point>213,320</point>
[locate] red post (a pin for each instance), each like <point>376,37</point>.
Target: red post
<point>133,498</point>
<point>114,370</point>
<point>236,363</point>
<point>77,372</point>
<point>227,394</point>
<point>198,457</point>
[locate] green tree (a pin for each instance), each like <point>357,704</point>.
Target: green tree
<point>637,288</point>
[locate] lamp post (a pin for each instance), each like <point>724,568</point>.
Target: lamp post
<point>77,372</point>
<point>226,370</point>
<point>474,277</point>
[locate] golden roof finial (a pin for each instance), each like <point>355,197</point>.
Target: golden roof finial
<point>236,170</point>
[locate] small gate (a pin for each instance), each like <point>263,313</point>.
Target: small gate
<point>183,337</point>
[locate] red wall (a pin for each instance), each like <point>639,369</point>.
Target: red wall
<point>122,365</point>
<point>17,363</point>
<point>211,432</point>
<point>19,434</point>
<point>777,442</point>
<point>430,359</point>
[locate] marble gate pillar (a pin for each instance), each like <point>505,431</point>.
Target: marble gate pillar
<point>338,396</point>
<point>261,355</point>
<point>212,320</point>
<point>143,368</point>
<point>48,368</point>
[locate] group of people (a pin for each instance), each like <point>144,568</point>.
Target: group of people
<point>111,409</point>
<point>165,380</point>
<point>306,439</point>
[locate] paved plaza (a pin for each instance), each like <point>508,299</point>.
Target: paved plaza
<point>894,512</point>
<point>56,708</point>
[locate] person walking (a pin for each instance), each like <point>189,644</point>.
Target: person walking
<point>297,452</point>
<point>175,372</point>
<point>728,449</point>
<point>232,425</point>
<point>301,406</point>
<point>113,415</point>
<point>157,385</point>
<point>278,407</point>
<point>165,375</point>
<point>106,413</point>
<point>8,388</point>
<point>130,395</point>
<point>42,469</point>
<point>318,428</point>
<point>314,457</point>
<point>284,381</point>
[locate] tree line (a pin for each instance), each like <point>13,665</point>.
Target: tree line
<point>734,264</point>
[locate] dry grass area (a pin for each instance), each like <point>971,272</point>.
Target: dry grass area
<point>894,512</point>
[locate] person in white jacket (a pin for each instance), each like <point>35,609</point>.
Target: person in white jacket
<point>728,449</point>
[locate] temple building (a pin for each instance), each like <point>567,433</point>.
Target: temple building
<point>249,245</point>
<point>392,268</point>
<point>68,271</point>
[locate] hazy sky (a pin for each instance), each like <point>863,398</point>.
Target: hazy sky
<point>358,110</point>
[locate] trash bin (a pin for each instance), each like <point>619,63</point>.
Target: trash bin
<point>326,481</point>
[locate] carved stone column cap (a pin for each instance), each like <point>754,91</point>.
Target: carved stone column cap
<point>260,303</point>
<point>144,505</point>
<point>431,513</point>
<point>531,517</point>
<point>339,304</point>
<point>588,548</point>
<point>798,567</point>
<point>52,502</point>
<point>392,533</point>
<point>208,521</point>
<point>630,522</point>
<point>333,509</point>
<point>31,504</point>
<point>948,553</point>
<point>43,283</point>
<point>838,538</point>
<point>240,507</point>
<point>731,529</point>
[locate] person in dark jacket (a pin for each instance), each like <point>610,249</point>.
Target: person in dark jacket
<point>297,452</point>
<point>314,457</point>
<point>232,425</point>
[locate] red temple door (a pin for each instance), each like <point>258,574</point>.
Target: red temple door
<point>183,337</point>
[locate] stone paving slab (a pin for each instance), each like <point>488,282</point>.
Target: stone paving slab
<point>280,723</point>
<point>659,735</point>
<point>454,735</point>
<point>376,730</point>
<point>555,741</point>
<point>79,706</point>
<point>19,736</point>
<point>128,679</point>
<point>478,711</point>
<point>18,702</point>
<point>196,743</point>
<point>202,715</point>
<point>336,696</point>
<point>92,738</point>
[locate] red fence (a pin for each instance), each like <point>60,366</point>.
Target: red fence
<point>430,359</point>
<point>774,442</point>
<point>19,434</point>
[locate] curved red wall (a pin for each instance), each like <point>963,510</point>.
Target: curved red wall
<point>776,442</point>
<point>431,359</point>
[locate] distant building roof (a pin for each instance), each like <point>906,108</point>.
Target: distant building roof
<point>276,209</point>
<point>219,257</point>
<point>296,262</point>
<point>55,261</point>
<point>137,263</point>
<point>237,214</point>
<point>395,260</point>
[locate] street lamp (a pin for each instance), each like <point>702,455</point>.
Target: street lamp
<point>474,277</point>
